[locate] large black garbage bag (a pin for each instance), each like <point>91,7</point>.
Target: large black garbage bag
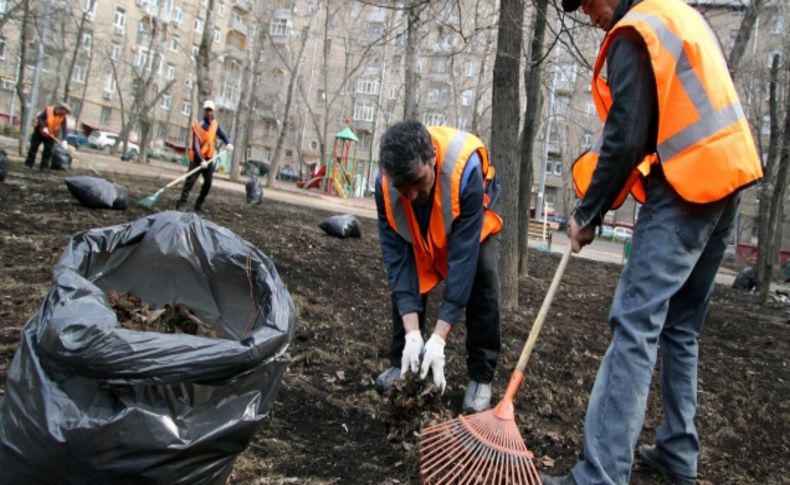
<point>254,190</point>
<point>342,226</point>
<point>746,279</point>
<point>61,158</point>
<point>89,402</point>
<point>3,164</point>
<point>97,193</point>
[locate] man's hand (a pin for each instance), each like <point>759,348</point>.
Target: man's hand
<point>433,359</point>
<point>580,236</point>
<point>64,144</point>
<point>229,147</point>
<point>204,164</point>
<point>410,359</point>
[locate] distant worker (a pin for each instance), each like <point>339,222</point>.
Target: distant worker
<point>435,196</point>
<point>676,137</point>
<point>201,150</point>
<point>48,125</point>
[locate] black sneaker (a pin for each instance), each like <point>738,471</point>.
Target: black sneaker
<point>651,457</point>
<point>549,480</point>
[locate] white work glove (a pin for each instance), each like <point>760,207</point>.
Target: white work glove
<point>45,130</point>
<point>204,164</point>
<point>410,359</point>
<point>229,147</point>
<point>433,359</point>
<point>65,144</point>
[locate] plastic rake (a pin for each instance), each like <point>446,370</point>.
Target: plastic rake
<point>487,447</point>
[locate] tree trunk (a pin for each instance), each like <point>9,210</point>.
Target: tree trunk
<point>78,114</point>
<point>412,79</point>
<point>504,138</point>
<point>767,188</point>
<point>204,78</point>
<point>77,47</point>
<point>744,34</point>
<point>274,165</point>
<point>534,107</point>
<point>24,128</point>
<point>779,187</point>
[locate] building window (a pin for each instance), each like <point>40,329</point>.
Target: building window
<point>115,51</point>
<point>771,56</point>
<point>90,9</point>
<point>183,134</point>
<point>120,18</point>
<point>2,47</point>
<point>79,74</point>
<point>466,97</point>
<point>392,92</point>
<point>171,72</point>
<point>321,96</point>
<point>765,128</point>
<point>186,107</point>
<point>175,42</point>
<point>778,25</point>
<point>167,101</point>
<point>195,51</point>
<point>439,65</point>
<point>104,115</point>
<point>178,14</point>
<point>589,108</point>
<point>198,25</point>
<point>279,27</point>
<point>587,141</point>
<point>221,10</point>
<point>189,81</point>
<point>433,119</point>
<point>364,111</point>
<point>470,69</point>
<point>109,85</point>
<point>216,34</point>
<point>161,131</point>
<point>368,86</point>
<point>557,168</point>
<point>142,59</point>
<point>87,41</point>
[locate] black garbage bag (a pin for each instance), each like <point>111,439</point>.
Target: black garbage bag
<point>746,279</point>
<point>342,226</point>
<point>97,193</point>
<point>89,402</point>
<point>254,190</point>
<point>61,158</point>
<point>3,164</point>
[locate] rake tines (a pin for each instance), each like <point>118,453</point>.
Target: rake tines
<point>481,448</point>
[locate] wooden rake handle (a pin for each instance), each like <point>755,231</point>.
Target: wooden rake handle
<point>544,309</point>
<point>194,170</point>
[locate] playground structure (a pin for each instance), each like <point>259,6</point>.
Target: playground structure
<point>342,174</point>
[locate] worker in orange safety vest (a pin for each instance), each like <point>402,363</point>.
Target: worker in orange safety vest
<point>675,136</point>
<point>435,196</point>
<point>49,124</point>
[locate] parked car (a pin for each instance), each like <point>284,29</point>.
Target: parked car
<point>622,233</point>
<point>165,154</point>
<point>104,141</point>
<point>77,140</point>
<point>606,232</point>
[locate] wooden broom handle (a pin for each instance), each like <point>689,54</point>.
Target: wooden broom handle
<point>544,309</point>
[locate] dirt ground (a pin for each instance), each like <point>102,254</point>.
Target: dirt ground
<point>328,425</point>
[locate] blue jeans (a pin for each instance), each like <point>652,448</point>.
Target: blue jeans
<point>659,307</point>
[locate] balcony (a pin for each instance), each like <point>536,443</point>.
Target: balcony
<point>238,26</point>
<point>243,5</point>
<point>235,53</point>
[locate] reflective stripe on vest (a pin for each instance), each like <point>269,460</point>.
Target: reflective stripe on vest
<point>206,139</point>
<point>453,149</point>
<point>54,122</point>
<point>704,142</point>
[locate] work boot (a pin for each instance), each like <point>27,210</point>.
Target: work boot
<point>477,397</point>
<point>385,380</point>
<point>652,458</point>
<point>550,480</point>
<point>198,208</point>
<point>179,205</point>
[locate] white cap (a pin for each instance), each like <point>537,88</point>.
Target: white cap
<point>209,104</point>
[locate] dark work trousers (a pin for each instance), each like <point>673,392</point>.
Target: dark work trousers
<point>208,175</point>
<point>483,341</point>
<point>35,140</point>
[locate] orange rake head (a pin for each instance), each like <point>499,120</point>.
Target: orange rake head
<point>480,448</point>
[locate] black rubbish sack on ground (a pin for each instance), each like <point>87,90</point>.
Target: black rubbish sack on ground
<point>3,164</point>
<point>254,190</point>
<point>97,193</point>
<point>746,279</point>
<point>89,402</point>
<point>342,226</point>
<point>61,158</point>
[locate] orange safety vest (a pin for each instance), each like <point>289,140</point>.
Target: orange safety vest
<point>704,144</point>
<point>206,138</point>
<point>54,122</point>
<point>453,149</point>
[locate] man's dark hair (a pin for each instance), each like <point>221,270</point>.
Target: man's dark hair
<point>404,147</point>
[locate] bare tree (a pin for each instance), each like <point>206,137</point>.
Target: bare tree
<point>204,78</point>
<point>744,34</point>
<point>412,80</point>
<point>294,72</point>
<point>504,138</point>
<point>27,20</point>
<point>77,47</point>
<point>532,112</point>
